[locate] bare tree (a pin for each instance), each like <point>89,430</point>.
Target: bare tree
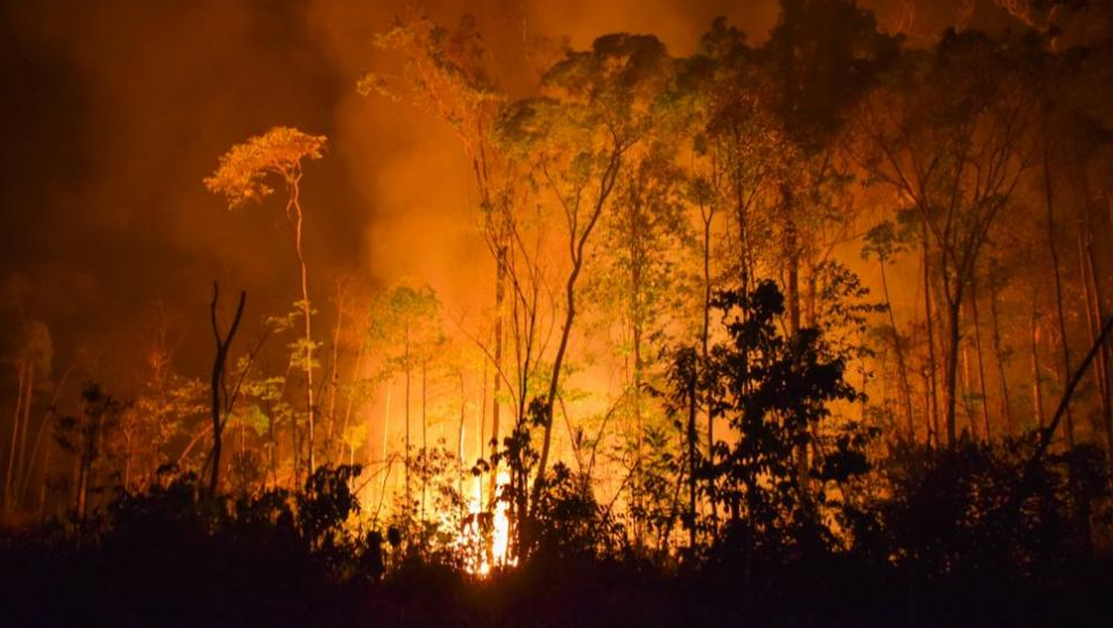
<point>221,397</point>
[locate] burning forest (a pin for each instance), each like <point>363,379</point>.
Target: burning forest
<point>513,313</point>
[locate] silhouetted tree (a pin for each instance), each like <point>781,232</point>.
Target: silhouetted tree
<point>242,177</point>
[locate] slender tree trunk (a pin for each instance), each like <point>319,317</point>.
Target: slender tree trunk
<point>481,428</point>
<point>424,436</point>
<point>636,484</point>
<point>792,260</point>
<point>898,344</point>
<point>220,402</point>
<point>929,325</point>
<point>460,450</point>
<point>742,213</point>
<point>349,404</point>
<point>307,314</point>
<point>1094,316</point>
<point>1037,375</point>
<point>21,464</point>
<point>792,290</point>
<point>386,437</point>
<point>43,482</point>
<point>966,396</point>
<point>409,495</point>
<point>692,439</point>
<point>577,249</point>
<point>82,488</point>
<point>1064,339</point>
<point>705,356</point>
<point>558,364</point>
<point>496,386</point>
<point>1006,406</point>
<point>127,458</point>
<point>8,484</point>
<point>981,359</point>
<point>950,375</point>
<point>273,453</point>
<point>25,484</point>
<point>334,376</point>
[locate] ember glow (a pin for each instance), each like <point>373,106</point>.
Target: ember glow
<point>723,301</point>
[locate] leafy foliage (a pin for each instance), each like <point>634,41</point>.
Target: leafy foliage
<point>243,170</point>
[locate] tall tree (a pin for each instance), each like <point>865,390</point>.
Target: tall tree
<point>445,74</point>
<point>950,131</point>
<point>636,287</point>
<point>222,398</point>
<point>34,355</point>
<point>596,105</point>
<point>883,242</point>
<point>406,329</point>
<point>821,59</point>
<point>241,177</point>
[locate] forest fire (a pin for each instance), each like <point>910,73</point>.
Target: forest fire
<point>790,312</point>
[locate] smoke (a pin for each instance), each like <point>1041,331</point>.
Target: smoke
<point>410,169</point>
<point>113,112</point>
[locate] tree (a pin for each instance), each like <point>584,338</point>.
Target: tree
<point>222,398</point>
<point>241,177</point>
<point>882,241</point>
<point>406,325</point>
<point>776,392</point>
<point>950,131</point>
<point>637,288</point>
<point>88,438</point>
<point>597,105</point>
<point>445,74</point>
<point>34,353</point>
<point>820,61</point>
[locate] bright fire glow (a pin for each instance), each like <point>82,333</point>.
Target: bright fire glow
<point>500,529</point>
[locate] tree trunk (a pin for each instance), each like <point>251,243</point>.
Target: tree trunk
<point>577,245</point>
<point>307,313</point>
<point>82,487</point>
<point>1064,339</point>
<point>704,351</point>
<point>496,387</point>
<point>792,289</point>
<point>637,484</point>
<point>424,436</point>
<point>43,482</point>
<point>1006,409</point>
<point>967,404</point>
<point>1094,316</point>
<point>406,453</point>
<point>950,375</point>
<point>220,404</point>
<point>792,260</point>
<point>929,325</point>
<point>460,450</point>
<point>692,459</point>
<point>386,437</point>
<point>902,371</point>
<point>349,404</point>
<point>334,375</point>
<point>981,360</point>
<point>1037,376</point>
<point>8,483</point>
<point>481,428</point>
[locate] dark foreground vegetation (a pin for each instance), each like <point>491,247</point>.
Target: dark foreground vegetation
<point>942,550</point>
<point>1003,533</point>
